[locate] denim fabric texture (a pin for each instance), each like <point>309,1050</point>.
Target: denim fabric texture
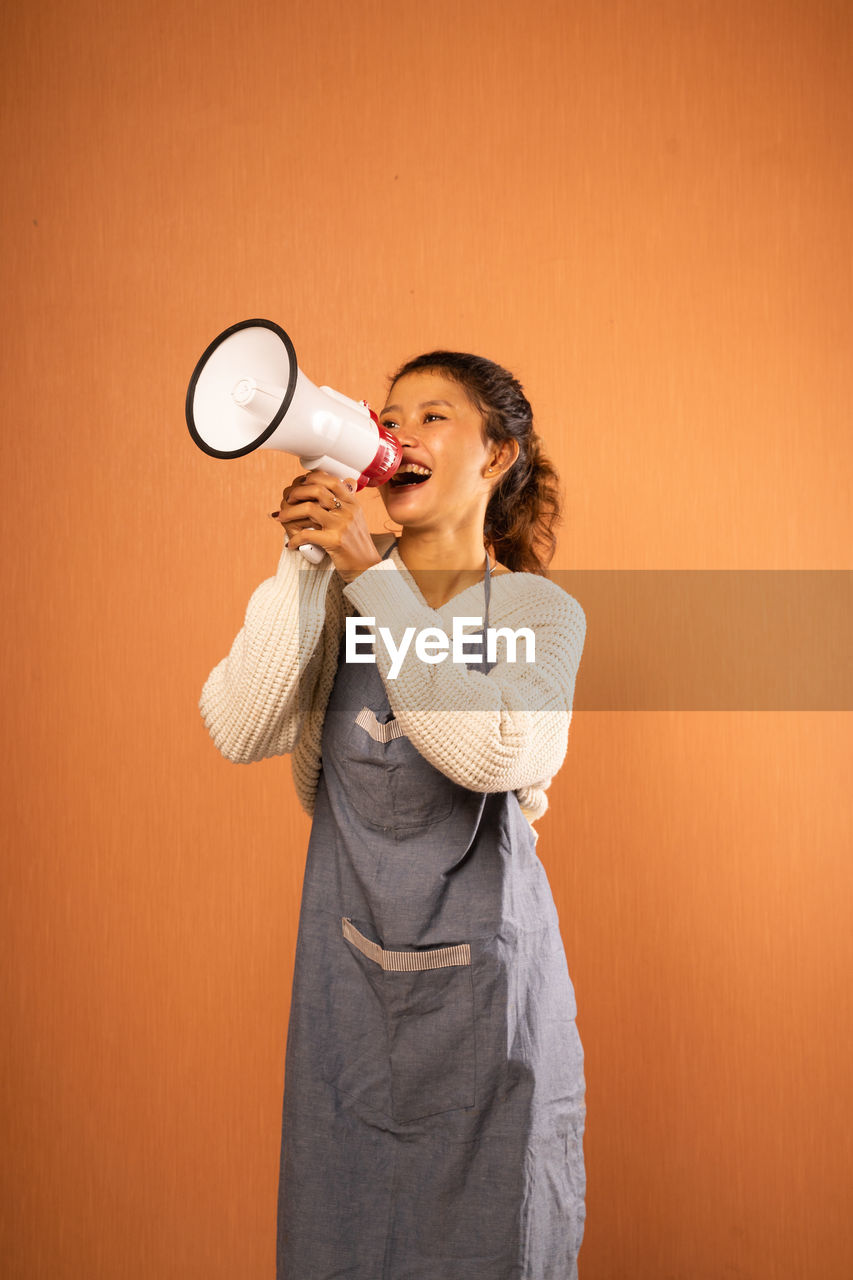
<point>434,1100</point>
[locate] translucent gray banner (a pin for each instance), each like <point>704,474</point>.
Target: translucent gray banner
<point>656,640</point>
<point>715,639</point>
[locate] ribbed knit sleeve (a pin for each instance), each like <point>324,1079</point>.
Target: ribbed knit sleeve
<point>255,700</point>
<point>502,731</point>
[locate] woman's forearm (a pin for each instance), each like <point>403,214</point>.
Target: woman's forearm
<point>254,700</point>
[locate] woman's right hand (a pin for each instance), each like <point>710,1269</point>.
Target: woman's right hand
<point>321,509</point>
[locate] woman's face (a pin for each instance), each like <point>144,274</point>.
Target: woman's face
<point>441,432</point>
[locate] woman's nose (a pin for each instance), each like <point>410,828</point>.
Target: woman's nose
<point>406,433</point>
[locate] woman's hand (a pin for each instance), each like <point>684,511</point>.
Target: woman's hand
<point>320,509</point>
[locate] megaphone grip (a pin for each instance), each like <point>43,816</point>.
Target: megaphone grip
<point>312,553</point>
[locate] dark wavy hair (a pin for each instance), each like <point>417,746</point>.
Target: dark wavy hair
<point>525,506</point>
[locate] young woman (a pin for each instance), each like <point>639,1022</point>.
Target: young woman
<point>434,1089</point>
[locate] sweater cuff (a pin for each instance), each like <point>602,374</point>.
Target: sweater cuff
<point>301,585</point>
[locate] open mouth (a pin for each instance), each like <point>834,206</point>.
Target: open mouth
<point>410,473</point>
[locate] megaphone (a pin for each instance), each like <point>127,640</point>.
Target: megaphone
<point>247,392</point>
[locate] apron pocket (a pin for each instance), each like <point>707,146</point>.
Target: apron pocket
<point>431,1041</point>
<point>351,1027</point>
<point>389,783</point>
<point>428,996</point>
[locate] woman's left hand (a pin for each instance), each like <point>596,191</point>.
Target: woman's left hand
<point>320,509</point>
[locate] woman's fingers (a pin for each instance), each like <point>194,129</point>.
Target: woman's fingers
<point>313,536</point>
<point>321,509</point>
<point>318,494</point>
<point>311,500</point>
<point>319,486</point>
<point>301,514</point>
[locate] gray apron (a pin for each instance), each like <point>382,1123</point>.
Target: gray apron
<point>434,1091</point>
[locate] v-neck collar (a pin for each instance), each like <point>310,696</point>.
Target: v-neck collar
<point>393,553</point>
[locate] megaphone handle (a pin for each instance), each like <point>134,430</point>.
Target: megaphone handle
<point>314,554</point>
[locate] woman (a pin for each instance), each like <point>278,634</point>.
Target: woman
<point>434,1098</point>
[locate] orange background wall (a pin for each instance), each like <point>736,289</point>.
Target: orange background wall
<point>645,210</point>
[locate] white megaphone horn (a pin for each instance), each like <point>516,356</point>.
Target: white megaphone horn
<point>247,392</point>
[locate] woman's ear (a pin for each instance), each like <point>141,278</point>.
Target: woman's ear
<point>502,458</point>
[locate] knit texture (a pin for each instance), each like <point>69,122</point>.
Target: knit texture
<point>505,731</point>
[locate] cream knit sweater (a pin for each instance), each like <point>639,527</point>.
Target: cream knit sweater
<point>505,731</point>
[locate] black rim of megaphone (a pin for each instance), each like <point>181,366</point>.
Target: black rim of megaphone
<point>282,409</point>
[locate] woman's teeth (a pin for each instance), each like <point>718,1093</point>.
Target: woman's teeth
<point>410,473</point>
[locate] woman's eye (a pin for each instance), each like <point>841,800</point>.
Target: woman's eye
<point>390,425</point>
